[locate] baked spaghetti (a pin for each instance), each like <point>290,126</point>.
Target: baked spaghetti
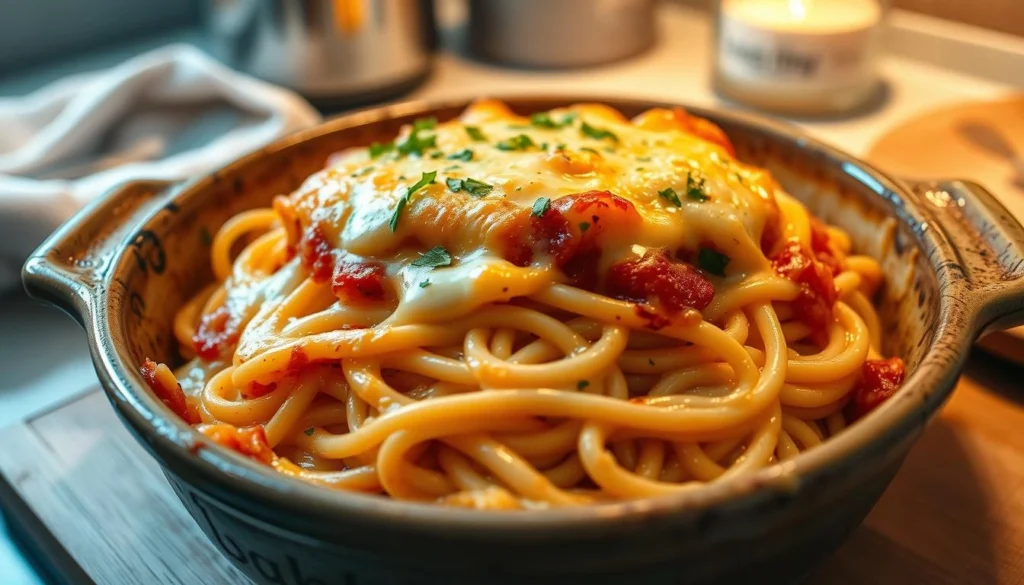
<point>511,312</point>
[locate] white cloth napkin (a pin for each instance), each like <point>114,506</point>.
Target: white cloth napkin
<point>172,113</point>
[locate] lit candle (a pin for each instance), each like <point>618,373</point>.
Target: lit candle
<point>798,56</point>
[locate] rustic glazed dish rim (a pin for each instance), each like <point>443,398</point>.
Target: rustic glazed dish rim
<point>923,392</point>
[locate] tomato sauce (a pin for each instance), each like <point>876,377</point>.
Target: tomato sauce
<point>249,441</point>
<point>879,380</point>
<point>818,293</point>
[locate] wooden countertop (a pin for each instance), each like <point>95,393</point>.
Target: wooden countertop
<point>953,516</point>
<point>955,512</point>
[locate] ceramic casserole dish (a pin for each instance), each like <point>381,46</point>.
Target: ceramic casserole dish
<point>953,260</point>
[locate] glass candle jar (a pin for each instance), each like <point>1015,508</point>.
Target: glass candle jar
<point>798,57</point>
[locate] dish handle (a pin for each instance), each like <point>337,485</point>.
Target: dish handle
<point>989,243</point>
<point>69,269</point>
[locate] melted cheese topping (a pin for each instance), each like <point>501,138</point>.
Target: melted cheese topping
<point>591,148</point>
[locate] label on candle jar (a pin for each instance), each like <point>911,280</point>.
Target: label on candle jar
<point>803,43</point>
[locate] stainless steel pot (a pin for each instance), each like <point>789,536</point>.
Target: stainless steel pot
<point>559,33</point>
<point>331,51</point>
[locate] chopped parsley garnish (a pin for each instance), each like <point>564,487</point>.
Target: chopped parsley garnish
<point>544,120</point>
<point>560,146</point>
<point>475,133</point>
<point>543,145</point>
<point>424,124</point>
<point>540,207</point>
<point>425,180</point>
<point>363,171</point>
<point>695,189</point>
<point>451,167</point>
<point>416,144</point>
<point>670,196</point>
<point>464,155</point>
<point>379,148</point>
<point>436,154</point>
<point>425,283</point>
<point>308,432</point>
<point>584,226</point>
<point>476,188</point>
<point>471,186</point>
<point>588,149</point>
<point>582,384</point>
<point>436,256</point>
<point>712,261</point>
<point>517,142</point>
<point>597,133</point>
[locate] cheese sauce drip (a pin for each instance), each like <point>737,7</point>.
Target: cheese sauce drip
<point>688,191</point>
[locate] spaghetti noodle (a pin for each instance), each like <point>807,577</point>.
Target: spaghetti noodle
<point>522,312</point>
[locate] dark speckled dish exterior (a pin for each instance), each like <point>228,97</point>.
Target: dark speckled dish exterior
<point>953,260</point>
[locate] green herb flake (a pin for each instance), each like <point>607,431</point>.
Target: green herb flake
<point>436,256</point>
<point>425,180</point>
<point>476,134</point>
<point>695,189</point>
<point>414,143</point>
<point>308,432</point>
<point>451,168</point>
<point>540,207</point>
<point>588,149</point>
<point>425,283</point>
<point>471,186</point>
<point>560,146</point>
<point>436,154</point>
<point>517,142</point>
<point>476,188</point>
<point>424,124</point>
<point>670,196</point>
<point>379,148</point>
<point>643,158</point>
<point>464,155</point>
<point>597,133</point>
<point>543,145</point>
<point>582,384</point>
<point>544,120</point>
<point>584,226</point>
<point>712,261</point>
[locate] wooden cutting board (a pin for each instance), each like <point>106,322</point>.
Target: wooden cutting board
<point>90,506</point>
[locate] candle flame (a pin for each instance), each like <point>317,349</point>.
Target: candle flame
<point>797,8</point>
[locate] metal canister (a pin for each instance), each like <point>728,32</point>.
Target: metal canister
<point>331,51</point>
<point>560,33</point>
